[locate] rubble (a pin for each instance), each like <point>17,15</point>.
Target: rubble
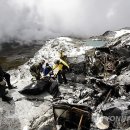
<point>96,96</point>
<point>106,70</point>
<point>72,116</point>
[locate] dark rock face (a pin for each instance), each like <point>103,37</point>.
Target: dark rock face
<point>122,52</point>
<point>80,79</point>
<point>14,54</point>
<point>109,33</point>
<point>79,68</point>
<point>76,78</point>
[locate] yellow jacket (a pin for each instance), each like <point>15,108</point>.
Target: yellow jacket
<point>58,67</point>
<point>64,63</point>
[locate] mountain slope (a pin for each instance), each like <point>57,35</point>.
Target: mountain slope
<point>29,110</point>
<point>35,112</point>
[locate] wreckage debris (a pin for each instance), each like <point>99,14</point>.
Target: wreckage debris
<point>72,116</point>
<point>117,118</point>
<point>102,123</point>
<point>105,61</point>
<point>103,65</point>
<point>94,84</point>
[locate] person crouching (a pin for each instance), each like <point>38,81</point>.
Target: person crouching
<point>36,70</point>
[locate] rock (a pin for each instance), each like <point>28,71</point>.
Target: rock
<point>109,34</point>
<point>102,123</point>
<point>79,68</point>
<point>36,112</point>
<point>80,79</point>
<point>76,59</point>
<point>76,78</point>
<point>70,100</point>
<point>123,79</point>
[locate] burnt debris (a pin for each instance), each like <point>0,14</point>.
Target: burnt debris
<point>99,75</point>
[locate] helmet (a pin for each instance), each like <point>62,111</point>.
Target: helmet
<point>42,62</point>
<point>47,64</point>
<point>97,53</point>
<point>56,62</point>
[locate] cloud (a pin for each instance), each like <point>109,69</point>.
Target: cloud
<point>40,19</point>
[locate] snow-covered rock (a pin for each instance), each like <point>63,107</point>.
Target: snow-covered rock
<point>120,39</point>
<point>32,112</point>
<point>35,112</point>
<point>121,32</point>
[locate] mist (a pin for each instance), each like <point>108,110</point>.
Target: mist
<point>43,19</point>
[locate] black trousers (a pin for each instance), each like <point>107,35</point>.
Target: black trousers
<point>61,76</point>
<point>3,95</point>
<point>2,91</point>
<point>7,78</point>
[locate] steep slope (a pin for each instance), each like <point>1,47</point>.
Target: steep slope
<point>33,111</point>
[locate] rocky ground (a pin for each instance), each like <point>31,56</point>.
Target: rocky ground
<point>90,81</point>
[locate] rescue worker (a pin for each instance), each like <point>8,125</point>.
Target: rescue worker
<point>47,69</point>
<point>98,65</point>
<point>62,55</point>
<point>59,70</point>
<point>3,92</point>
<point>5,76</point>
<point>36,70</point>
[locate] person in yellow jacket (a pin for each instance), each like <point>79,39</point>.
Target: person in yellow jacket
<point>59,70</point>
<point>62,56</point>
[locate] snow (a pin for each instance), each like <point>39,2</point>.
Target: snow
<point>121,32</point>
<point>128,43</point>
<point>26,111</point>
<point>23,110</point>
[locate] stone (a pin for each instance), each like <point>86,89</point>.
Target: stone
<point>102,123</point>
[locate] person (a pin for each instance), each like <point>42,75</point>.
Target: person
<point>47,69</point>
<point>36,70</point>
<point>62,56</point>
<point>3,92</point>
<point>59,70</point>
<point>5,76</point>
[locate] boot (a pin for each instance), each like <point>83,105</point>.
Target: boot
<point>12,87</point>
<point>7,99</point>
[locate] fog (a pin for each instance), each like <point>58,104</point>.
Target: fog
<point>42,19</point>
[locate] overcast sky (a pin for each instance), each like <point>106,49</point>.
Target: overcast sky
<point>39,19</point>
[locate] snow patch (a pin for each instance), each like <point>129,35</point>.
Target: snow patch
<point>26,110</point>
<point>121,32</point>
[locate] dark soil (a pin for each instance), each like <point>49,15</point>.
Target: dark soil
<point>14,55</point>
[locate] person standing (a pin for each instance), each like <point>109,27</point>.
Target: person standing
<point>5,79</point>
<point>5,76</point>
<point>59,70</point>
